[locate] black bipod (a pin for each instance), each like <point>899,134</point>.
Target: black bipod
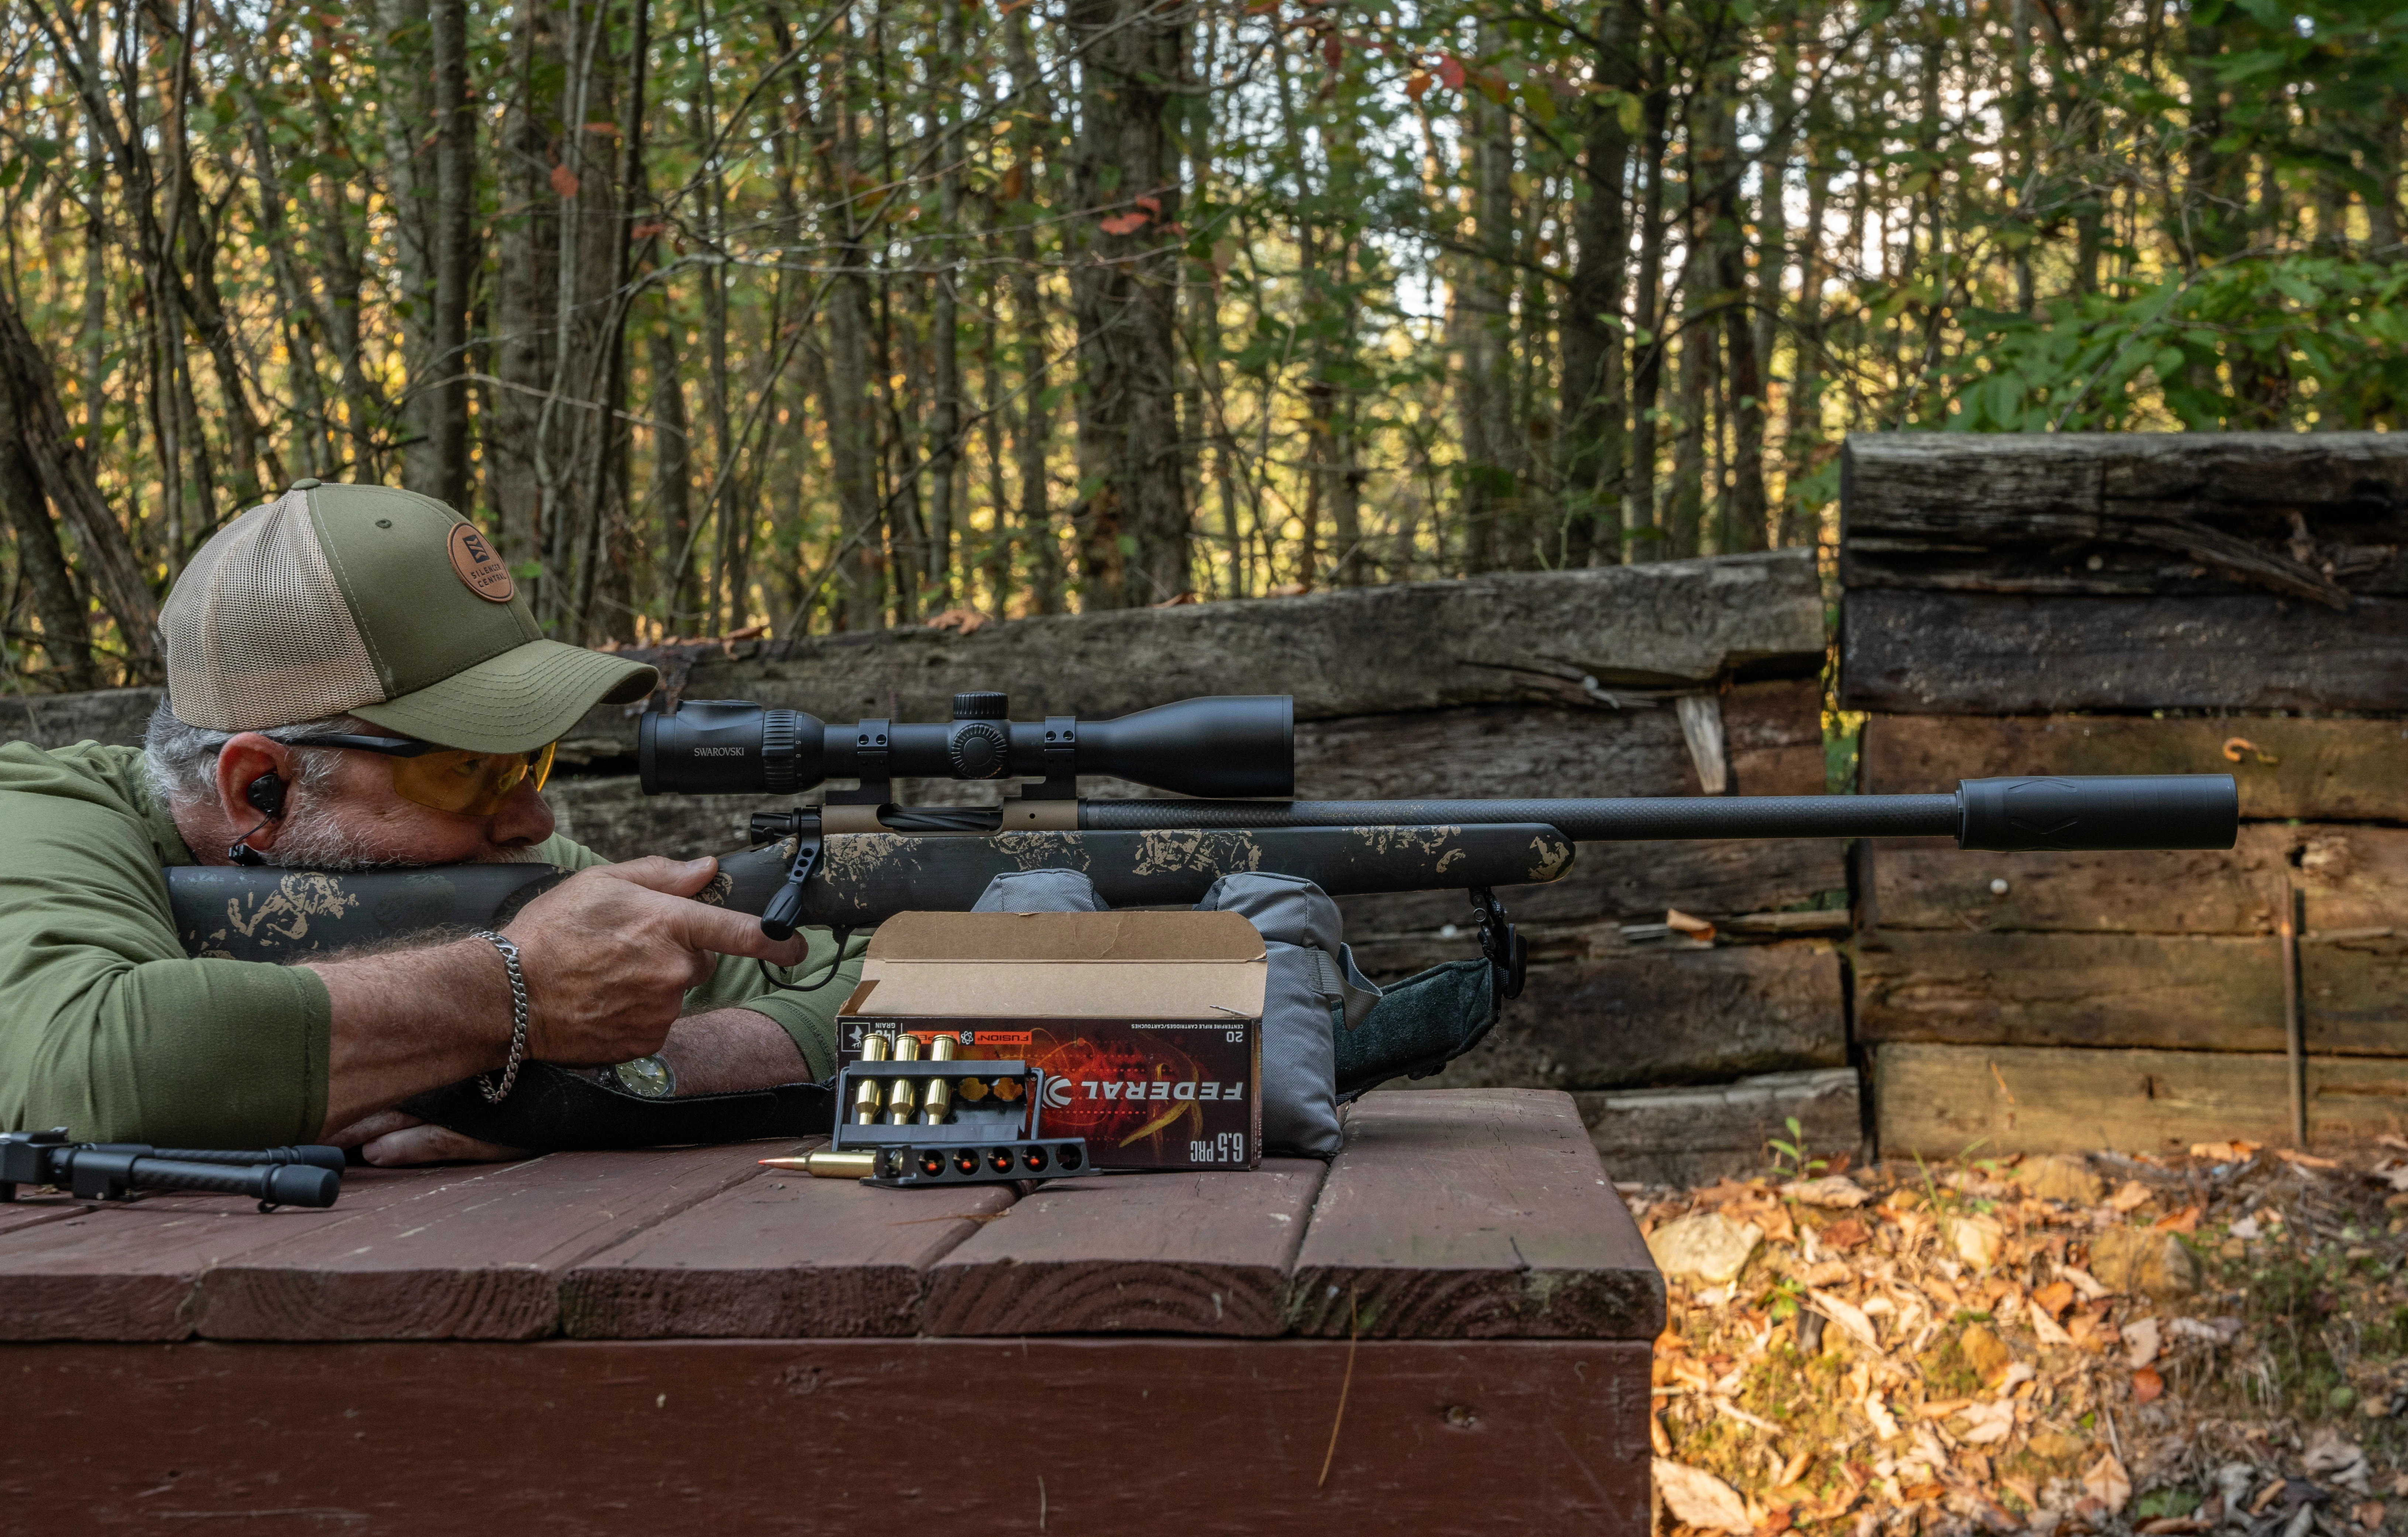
<point>276,1176</point>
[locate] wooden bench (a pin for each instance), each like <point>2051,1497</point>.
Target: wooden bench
<point>1447,1328</point>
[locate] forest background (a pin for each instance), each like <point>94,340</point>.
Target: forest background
<point>743,316</point>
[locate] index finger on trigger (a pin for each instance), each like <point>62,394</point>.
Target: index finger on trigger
<point>721,932</point>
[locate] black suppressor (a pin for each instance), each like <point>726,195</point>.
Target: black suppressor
<point>283,1176</point>
<point>1230,745</point>
<point>2107,812</point>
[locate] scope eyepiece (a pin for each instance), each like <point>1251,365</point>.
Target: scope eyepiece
<point>1235,746</point>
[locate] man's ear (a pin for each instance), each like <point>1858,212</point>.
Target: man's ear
<point>253,783</point>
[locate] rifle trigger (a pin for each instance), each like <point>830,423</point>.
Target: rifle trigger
<point>785,910</point>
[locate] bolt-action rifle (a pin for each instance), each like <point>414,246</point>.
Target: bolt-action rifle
<point>856,859</point>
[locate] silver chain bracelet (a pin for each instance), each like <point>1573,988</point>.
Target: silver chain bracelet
<point>495,1093</point>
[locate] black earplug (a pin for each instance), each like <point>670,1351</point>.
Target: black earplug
<point>266,796</point>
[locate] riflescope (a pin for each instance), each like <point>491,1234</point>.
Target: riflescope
<point>1234,746</point>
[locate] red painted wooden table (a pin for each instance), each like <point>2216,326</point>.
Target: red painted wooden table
<point>1445,1330</point>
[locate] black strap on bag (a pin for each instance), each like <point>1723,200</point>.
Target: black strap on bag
<point>554,1110</point>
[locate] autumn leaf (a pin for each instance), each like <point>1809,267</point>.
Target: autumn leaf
<point>1333,52</point>
<point>563,182</point>
<point>963,620</point>
<point>1123,223</point>
<point>646,230</point>
<point>1417,84</point>
<point>1449,72</point>
<point>2147,1386</point>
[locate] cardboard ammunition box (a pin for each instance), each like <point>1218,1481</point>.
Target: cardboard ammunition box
<point>1147,1025</point>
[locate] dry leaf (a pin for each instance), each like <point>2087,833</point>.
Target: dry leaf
<point>2133,1195</point>
<point>1848,1316</point>
<point>963,620</point>
<point>2141,1342</point>
<point>2184,1221</point>
<point>563,182</point>
<point>1123,223</point>
<point>1988,1424</point>
<point>1701,1500</point>
<point>2304,1160</point>
<point>1845,1234</point>
<point>2368,1513</point>
<point>2235,1152</point>
<point>2045,1329</point>
<point>2107,1483</point>
<point>1976,1239</point>
<point>2083,1282</point>
<point>1835,1191</point>
<point>2054,1299</point>
<point>2147,1386</point>
<point>1286,589</point>
<point>1885,1424</point>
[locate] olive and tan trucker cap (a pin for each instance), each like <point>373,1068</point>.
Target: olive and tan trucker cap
<point>384,604</point>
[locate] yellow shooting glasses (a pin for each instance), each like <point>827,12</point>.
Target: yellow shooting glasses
<point>448,779</point>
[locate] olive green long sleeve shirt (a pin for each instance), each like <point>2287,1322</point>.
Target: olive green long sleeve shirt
<point>108,1028</point>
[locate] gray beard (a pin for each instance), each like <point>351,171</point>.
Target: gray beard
<point>310,841</point>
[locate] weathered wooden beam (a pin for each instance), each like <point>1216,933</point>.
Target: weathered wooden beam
<point>1665,1017</point>
<point>1694,1136</point>
<point>1511,638</point>
<point>2287,766</point>
<point>2315,516</point>
<point>114,715</point>
<point>1988,654</point>
<point>1939,1101</point>
<point>2187,991</point>
<point>2350,878</point>
<point>2070,989</point>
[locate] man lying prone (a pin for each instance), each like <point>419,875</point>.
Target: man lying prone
<point>353,682</point>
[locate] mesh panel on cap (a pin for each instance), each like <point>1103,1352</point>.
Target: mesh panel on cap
<point>257,632</point>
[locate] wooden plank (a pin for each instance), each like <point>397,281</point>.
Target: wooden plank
<point>118,716</point>
<point>476,1256</point>
<point>2311,515</point>
<point>1190,1253</point>
<point>1694,1136</point>
<point>1613,882</point>
<point>29,1210</point>
<point>1442,1438</point>
<point>132,1270</point>
<point>2348,877</point>
<point>1941,1101</point>
<point>1658,1016</point>
<point>2222,994</point>
<point>2189,991</point>
<point>1981,653</point>
<point>1473,1214</point>
<point>1773,729</point>
<point>782,1257</point>
<point>2322,770</point>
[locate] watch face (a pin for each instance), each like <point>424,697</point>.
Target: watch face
<point>647,1076</point>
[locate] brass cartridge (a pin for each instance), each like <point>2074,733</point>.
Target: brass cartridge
<point>827,1165</point>
<point>901,1098</point>
<point>865,1095</point>
<point>940,1093</point>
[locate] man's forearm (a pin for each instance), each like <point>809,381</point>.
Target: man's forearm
<point>411,1020</point>
<point>730,1050</point>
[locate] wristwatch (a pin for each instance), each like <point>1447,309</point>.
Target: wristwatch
<point>647,1078</point>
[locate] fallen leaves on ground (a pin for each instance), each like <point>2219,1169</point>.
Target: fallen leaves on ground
<point>2065,1346</point>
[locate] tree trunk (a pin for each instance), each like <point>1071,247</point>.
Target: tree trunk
<point>1124,288</point>
<point>64,469</point>
<point>1654,316</point>
<point>526,288</point>
<point>1035,417</point>
<point>1592,427</point>
<point>1742,511</point>
<point>66,639</point>
<point>671,494</point>
<point>452,250</point>
<point>406,74</point>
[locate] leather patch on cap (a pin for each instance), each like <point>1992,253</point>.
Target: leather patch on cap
<point>479,566</point>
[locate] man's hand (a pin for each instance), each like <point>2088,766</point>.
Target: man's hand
<point>609,953</point>
<point>391,1137</point>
